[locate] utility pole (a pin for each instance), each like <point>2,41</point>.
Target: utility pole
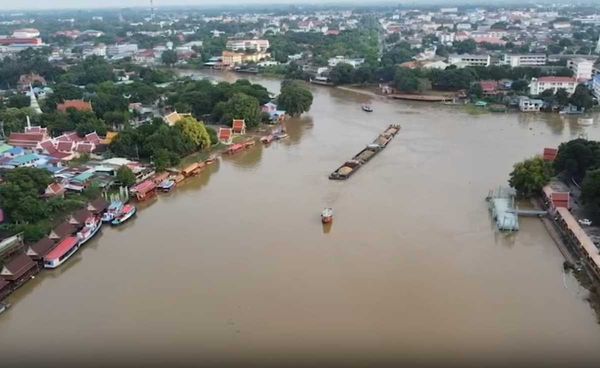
<point>152,9</point>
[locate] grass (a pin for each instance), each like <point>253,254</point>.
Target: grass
<point>200,156</point>
<point>475,110</point>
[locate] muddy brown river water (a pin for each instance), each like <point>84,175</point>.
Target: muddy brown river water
<point>235,266</point>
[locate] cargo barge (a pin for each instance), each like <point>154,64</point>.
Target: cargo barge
<point>351,166</point>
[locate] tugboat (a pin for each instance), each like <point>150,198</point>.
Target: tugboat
<point>367,108</point>
<point>127,212</point>
<point>114,208</point>
<point>327,215</point>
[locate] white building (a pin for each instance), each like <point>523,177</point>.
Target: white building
<point>26,33</point>
<point>446,38</point>
<point>469,60</point>
<point>527,104</point>
<point>539,85</point>
<point>463,27</point>
<point>524,60</point>
<point>98,50</point>
<point>342,59</point>
<point>122,50</point>
<point>243,45</point>
<point>582,68</point>
<point>596,86</point>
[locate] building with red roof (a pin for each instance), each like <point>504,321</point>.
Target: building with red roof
<point>61,252</point>
<point>541,84</point>
<point>238,126</point>
<point>225,135</point>
<point>78,105</point>
<point>490,87</point>
<point>27,140</point>
<point>144,190</point>
<point>550,154</point>
<point>556,197</point>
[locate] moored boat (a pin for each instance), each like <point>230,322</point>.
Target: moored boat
<point>211,160</point>
<point>166,185</point>
<point>367,108</point>
<point>267,139</point>
<point>127,213</point>
<point>62,252</point>
<point>280,135</point>
<point>114,208</point>
<point>327,215</point>
<point>4,307</point>
<point>92,225</point>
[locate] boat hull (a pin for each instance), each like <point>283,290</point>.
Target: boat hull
<point>84,240</point>
<point>121,220</point>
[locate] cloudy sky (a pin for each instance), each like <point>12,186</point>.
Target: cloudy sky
<point>80,4</point>
<point>58,4</point>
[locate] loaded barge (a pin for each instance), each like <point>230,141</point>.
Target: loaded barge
<point>350,167</point>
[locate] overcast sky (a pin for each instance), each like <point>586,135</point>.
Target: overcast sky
<point>80,4</point>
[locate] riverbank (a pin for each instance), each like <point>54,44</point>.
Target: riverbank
<point>237,260</point>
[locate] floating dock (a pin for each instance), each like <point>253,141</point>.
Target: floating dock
<point>349,167</point>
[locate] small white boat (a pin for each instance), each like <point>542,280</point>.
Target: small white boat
<point>166,185</point>
<point>367,108</point>
<point>585,121</point>
<point>127,213</point>
<point>327,215</point>
<point>89,230</point>
<point>4,307</point>
<point>114,208</point>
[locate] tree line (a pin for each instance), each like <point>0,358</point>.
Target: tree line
<point>577,161</point>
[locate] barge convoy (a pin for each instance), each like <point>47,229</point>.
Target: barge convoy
<point>350,167</point>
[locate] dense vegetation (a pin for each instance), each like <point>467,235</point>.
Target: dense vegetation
<point>530,176</point>
<point>577,161</point>
<point>162,144</point>
<point>294,98</point>
<point>21,196</point>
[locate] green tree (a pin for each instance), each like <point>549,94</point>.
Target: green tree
<point>590,193</point>
<point>240,106</point>
<point>576,157</point>
<point>18,101</point>
<point>476,90</point>
<point>125,176</point>
<point>582,97</point>
<point>529,177</point>
<point>168,57</point>
<point>15,119</point>
<point>562,96</point>
<point>519,85</point>
<point>465,47</point>
<point>342,73</point>
<point>20,194</point>
<point>294,98</point>
<point>406,80</point>
<point>194,131</point>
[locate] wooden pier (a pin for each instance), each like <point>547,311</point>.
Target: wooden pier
<point>349,167</point>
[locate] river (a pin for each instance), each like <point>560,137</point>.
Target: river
<point>235,266</point>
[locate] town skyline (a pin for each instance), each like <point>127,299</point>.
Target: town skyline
<point>117,4</point>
